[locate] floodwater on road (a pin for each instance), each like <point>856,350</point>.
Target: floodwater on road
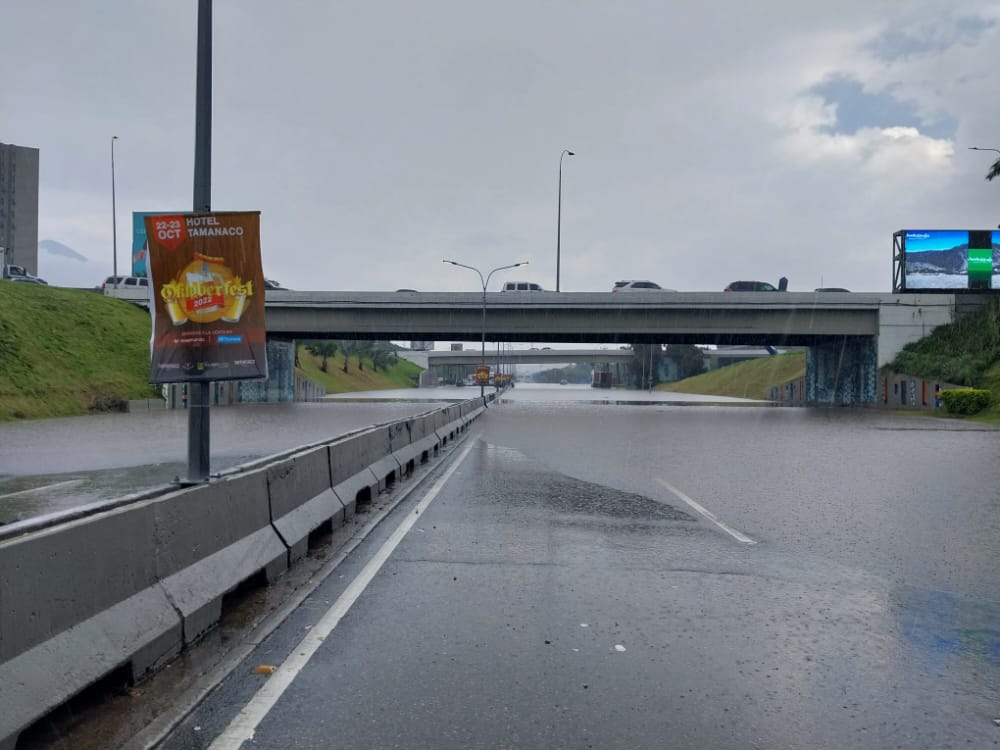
<point>51,465</point>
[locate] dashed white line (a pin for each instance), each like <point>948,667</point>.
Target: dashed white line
<point>739,536</point>
<point>244,725</point>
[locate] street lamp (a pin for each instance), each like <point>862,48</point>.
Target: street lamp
<point>114,218</point>
<point>485,282</point>
<point>559,213</point>
<point>995,169</point>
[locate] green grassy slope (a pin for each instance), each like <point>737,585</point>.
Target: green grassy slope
<point>65,352</point>
<point>751,379</point>
<point>401,374</point>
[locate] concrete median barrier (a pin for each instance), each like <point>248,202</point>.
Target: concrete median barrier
<point>303,499</point>
<point>131,586</point>
<point>76,603</point>
<point>210,539</point>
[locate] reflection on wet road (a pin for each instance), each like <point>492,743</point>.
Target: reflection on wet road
<point>560,592</point>
<point>55,464</point>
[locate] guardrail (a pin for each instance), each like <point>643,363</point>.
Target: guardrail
<point>132,583</point>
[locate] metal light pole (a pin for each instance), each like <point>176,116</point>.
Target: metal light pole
<point>995,169</point>
<point>559,214</point>
<point>114,217</point>
<point>199,424</point>
<point>485,282</point>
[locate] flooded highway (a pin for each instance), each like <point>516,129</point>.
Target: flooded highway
<point>53,465</point>
<point>626,570</point>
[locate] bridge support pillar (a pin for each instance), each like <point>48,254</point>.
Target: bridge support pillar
<point>843,372</point>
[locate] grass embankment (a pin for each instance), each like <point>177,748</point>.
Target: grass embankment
<point>751,379</point>
<point>966,352</point>
<point>65,352</point>
<point>68,352</point>
<point>399,374</point>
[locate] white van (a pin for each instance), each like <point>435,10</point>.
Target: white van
<point>520,286</point>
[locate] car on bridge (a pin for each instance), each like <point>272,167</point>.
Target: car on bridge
<point>638,285</point>
<point>756,286</point>
<point>521,286</point>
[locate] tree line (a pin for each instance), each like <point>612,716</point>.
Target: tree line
<point>381,354</point>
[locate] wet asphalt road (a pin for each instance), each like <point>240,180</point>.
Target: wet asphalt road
<point>564,588</point>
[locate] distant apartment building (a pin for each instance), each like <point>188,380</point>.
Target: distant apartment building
<point>19,205</point>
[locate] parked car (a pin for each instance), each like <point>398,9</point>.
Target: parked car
<point>272,284</point>
<point>756,286</point>
<point>124,282</point>
<point>521,286</point>
<point>13,272</point>
<point>638,285</point>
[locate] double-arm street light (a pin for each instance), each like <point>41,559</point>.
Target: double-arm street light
<point>559,213</point>
<point>114,218</point>
<point>485,282</point>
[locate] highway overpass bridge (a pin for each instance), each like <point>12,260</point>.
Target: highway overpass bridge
<point>849,335</point>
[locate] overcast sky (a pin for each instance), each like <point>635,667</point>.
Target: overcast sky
<point>714,141</point>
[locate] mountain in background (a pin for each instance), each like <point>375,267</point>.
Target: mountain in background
<point>58,248</point>
<point>61,265</point>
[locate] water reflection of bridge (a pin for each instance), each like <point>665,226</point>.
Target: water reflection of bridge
<point>549,356</point>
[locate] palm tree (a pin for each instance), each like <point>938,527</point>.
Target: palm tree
<point>994,170</point>
<point>383,354</point>
<point>324,349</point>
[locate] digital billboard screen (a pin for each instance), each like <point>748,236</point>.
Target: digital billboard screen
<point>951,259</point>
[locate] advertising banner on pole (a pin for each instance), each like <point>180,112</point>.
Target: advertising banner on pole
<point>206,297</point>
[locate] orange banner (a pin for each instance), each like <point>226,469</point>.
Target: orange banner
<point>206,297</point>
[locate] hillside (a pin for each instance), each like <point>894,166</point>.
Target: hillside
<point>65,352</point>
<point>400,374</point>
<point>966,352</point>
<point>751,379</point>
<point>68,352</point>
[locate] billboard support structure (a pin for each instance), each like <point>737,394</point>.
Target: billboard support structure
<point>897,260</point>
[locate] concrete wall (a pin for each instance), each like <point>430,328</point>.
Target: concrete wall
<point>892,390</point>
<point>905,318</point>
<point>899,391</point>
<point>133,585</point>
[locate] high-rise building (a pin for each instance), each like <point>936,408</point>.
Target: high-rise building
<point>19,205</point>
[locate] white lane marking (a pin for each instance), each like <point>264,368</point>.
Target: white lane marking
<point>739,536</point>
<point>245,723</point>
<point>43,488</point>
